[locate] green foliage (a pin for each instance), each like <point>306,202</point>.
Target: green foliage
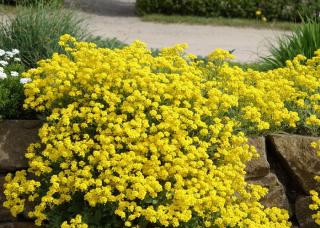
<point>271,9</point>
<point>304,40</point>
<point>11,89</point>
<point>31,2</point>
<point>35,31</point>
<point>106,42</point>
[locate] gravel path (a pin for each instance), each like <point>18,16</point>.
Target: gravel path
<point>115,18</point>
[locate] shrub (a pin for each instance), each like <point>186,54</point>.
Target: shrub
<point>304,40</point>
<point>271,9</point>
<point>35,31</point>
<point>11,86</point>
<point>134,139</point>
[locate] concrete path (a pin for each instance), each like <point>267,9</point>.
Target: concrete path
<point>115,18</point>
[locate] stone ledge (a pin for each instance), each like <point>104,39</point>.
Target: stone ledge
<point>15,137</point>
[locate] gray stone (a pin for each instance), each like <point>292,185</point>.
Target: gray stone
<point>303,212</point>
<point>276,196</point>
<point>258,167</point>
<point>15,137</point>
<point>297,156</point>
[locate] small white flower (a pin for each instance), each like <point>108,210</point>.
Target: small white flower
<point>3,75</point>
<point>3,63</point>
<point>10,54</point>
<point>15,51</point>
<point>17,59</point>
<point>14,73</point>
<point>25,80</point>
<point>1,69</point>
<point>2,52</point>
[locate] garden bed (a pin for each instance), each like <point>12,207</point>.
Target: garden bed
<point>279,168</point>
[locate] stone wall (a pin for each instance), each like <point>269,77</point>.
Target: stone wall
<point>286,166</point>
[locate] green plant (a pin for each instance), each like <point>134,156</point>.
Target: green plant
<point>35,31</point>
<point>11,86</point>
<point>31,2</point>
<point>305,40</point>
<point>268,9</point>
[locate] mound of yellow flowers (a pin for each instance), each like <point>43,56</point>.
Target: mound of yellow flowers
<point>133,139</point>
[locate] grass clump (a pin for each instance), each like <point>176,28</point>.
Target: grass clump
<point>35,31</point>
<point>305,40</point>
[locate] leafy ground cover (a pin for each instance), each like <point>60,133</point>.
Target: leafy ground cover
<point>123,123</point>
<point>35,31</point>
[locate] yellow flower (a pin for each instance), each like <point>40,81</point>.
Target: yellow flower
<point>258,12</point>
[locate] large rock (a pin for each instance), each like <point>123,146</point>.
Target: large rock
<point>18,225</point>
<point>276,196</point>
<point>258,167</point>
<point>298,158</point>
<point>15,137</point>
<point>303,213</point>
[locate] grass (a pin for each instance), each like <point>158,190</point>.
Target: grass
<point>159,18</point>
<point>7,9</point>
<point>35,31</point>
<point>304,40</point>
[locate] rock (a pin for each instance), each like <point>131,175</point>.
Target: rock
<point>298,158</point>
<point>276,196</point>
<point>15,137</point>
<point>303,213</point>
<point>258,167</point>
<point>18,225</point>
<point>5,215</point>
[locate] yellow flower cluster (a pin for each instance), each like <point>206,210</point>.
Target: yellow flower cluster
<point>156,137</point>
<point>315,205</point>
<point>220,55</point>
<point>74,223</point>
<point>284,98</point>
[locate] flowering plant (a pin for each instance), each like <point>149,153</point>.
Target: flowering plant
<point>11,85</point>
<point>133,139</point>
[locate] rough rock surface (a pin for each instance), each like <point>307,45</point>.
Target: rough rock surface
<point>297,156</point>
<point>304,214</point>
<point>258,167</point>
<point>276,196</point>
<point>15,136</point>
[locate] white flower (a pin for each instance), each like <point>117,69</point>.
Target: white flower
<point>2,52</point>
<point>1,69</point>
<point>3,63</point>
<point>17,59</point>
<point>14,73</point>
<point>3,75</point>
<point>25,80</point>
<point>15,51</point>
<point>10,54</point>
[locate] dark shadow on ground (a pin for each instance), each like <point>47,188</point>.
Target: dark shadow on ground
<point>105,7</point>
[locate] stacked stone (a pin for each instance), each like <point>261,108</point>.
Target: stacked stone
<point>15,136</point>
<point>287,166</point>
